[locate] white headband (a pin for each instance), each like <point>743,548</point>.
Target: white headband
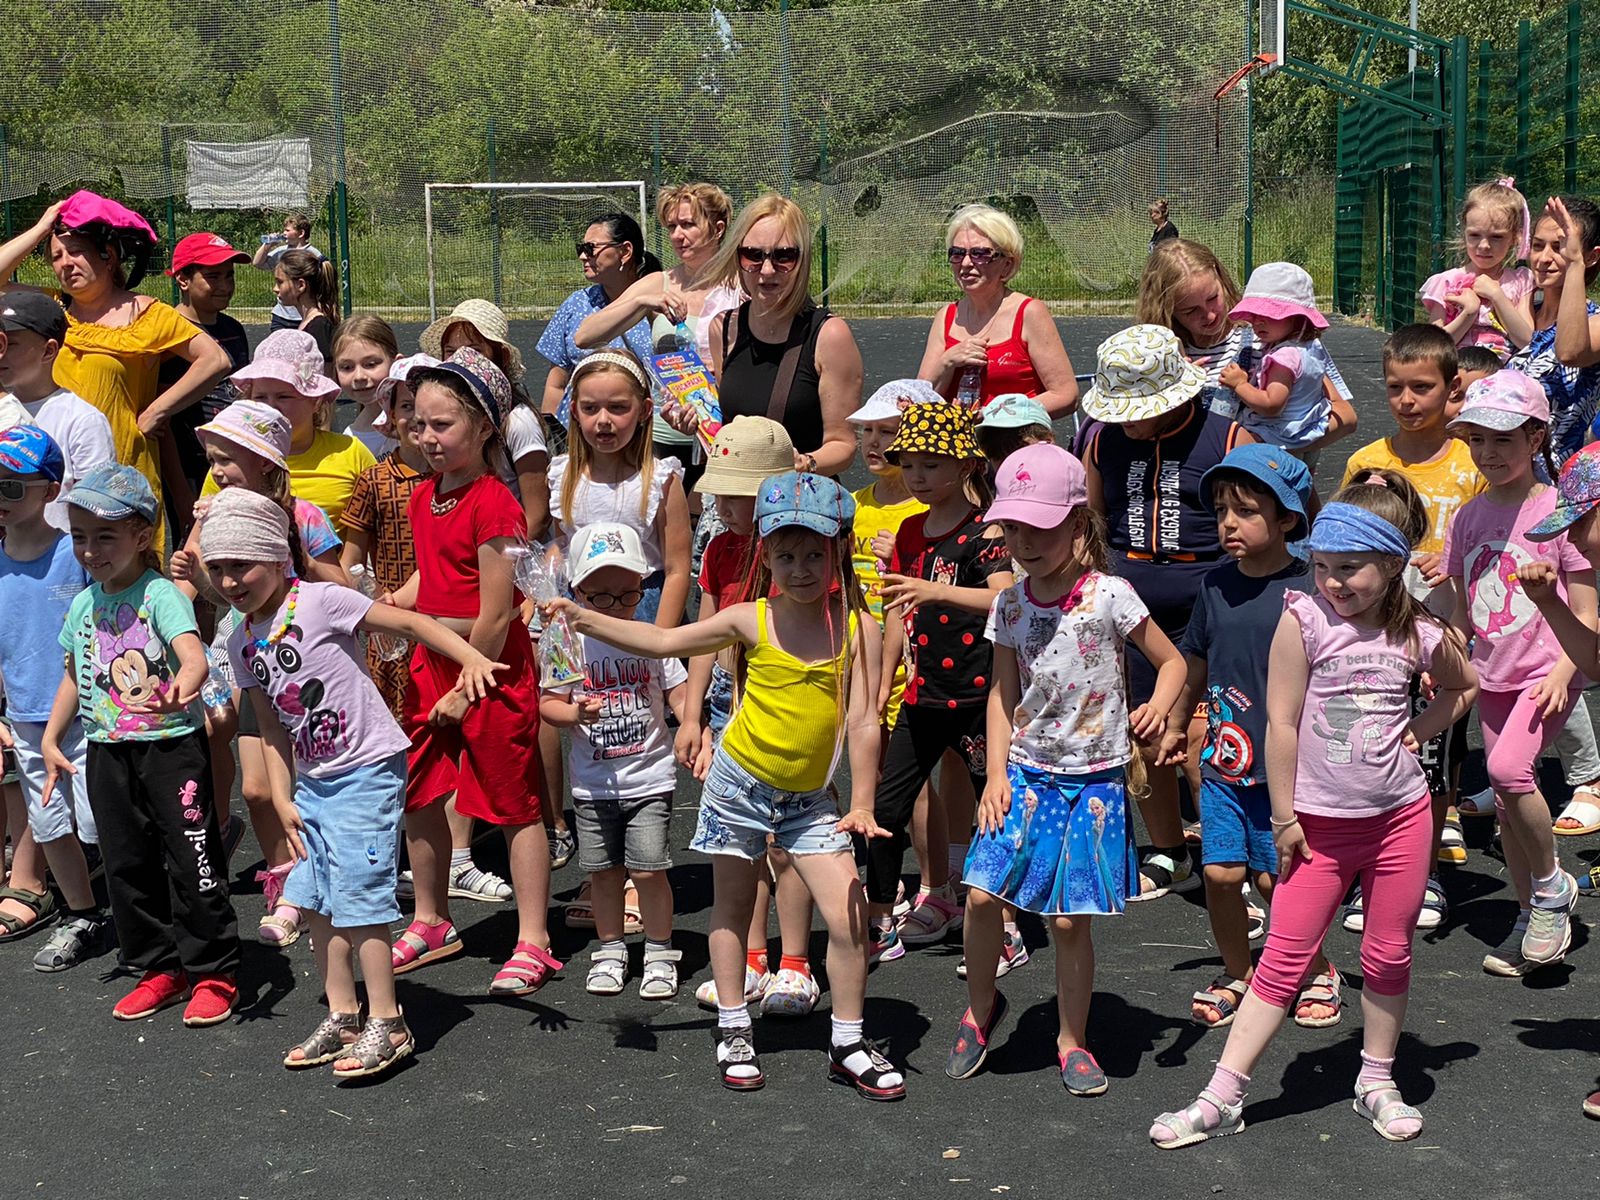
<point>616,360</point>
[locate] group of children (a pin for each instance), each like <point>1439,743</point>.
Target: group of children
<point>1061,631</point>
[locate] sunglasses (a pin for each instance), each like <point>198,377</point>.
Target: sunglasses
<point>15,489</point>
<point>784,258</point>
<point>590,249</point>
<point>981,256</point>
<point>605,600</point>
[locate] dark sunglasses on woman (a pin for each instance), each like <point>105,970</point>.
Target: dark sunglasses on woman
<point>784,258</point>
<point>981,256</point>
<point>590,249</point>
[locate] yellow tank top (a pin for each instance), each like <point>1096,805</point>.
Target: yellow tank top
<point>786,731</point>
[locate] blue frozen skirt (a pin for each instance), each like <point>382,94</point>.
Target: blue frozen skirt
<point>1066,847</point>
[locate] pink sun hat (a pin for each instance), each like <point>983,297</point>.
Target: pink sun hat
<point>1279,291</point>
<point>256,427</point>
<point>290,356</point>
<point>90,208</point>
<point>1039,485</point>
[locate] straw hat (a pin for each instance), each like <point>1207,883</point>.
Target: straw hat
<point>747,450</point>
<point>487,318</point>
<point>1141,373</point>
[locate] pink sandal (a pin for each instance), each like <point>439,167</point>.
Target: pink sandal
<point>420,944</point>
<point>525,972</point>
<point>931,919</point>
<point>284,923</point>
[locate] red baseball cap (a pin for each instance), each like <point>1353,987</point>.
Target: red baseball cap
<point>204,250</point>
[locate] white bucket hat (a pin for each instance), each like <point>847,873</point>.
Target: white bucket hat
<point>1141,373</point>
<point>894,397</point>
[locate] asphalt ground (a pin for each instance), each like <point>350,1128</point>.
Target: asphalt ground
<point>566,1094</point>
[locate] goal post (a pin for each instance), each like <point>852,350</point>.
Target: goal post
<point>498,192</point>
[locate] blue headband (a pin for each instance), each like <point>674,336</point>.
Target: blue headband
<point>1347,528</point>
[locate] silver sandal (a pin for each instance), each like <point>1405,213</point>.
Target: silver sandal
<point>1387,1112</point>
<point>660,978</point>
<point>375,1049</point>
<point>608,972</point>
<point>327,1042</point>
<point>1189,1125</point>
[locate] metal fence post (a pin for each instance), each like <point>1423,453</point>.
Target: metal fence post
<point>1480,132</point>
<point>494,212</point>
<point>340,198</point>
<point>1573,92</point>
<point>172,205</point>
<point>1524,100</point>
<point>785,148</point>
<point>1249,231</point>
<point>1458,112</point>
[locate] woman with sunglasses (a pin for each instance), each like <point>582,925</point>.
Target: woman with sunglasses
<point>995,340</point>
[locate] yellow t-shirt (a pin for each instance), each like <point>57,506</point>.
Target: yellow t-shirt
<point>324,474</point>
<point>872,518</point>
<point>1444,485</point>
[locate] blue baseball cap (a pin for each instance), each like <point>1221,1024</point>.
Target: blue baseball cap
<point>810,501</point>
<point>113,491</point>
<point>1013,410</point>
<point>29,450</point>
<point>1284,475</point>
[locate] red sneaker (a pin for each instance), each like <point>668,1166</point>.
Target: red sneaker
<point>214,998</point>
<point>157,990</point>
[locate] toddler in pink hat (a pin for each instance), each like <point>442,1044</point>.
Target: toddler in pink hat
<point>1282,399</point>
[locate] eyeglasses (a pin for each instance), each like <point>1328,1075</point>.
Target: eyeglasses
<point>15,489</point>
<point>981,256</point>
<point>590,249</point>
<point>783,258</point>
<point>605,600</point>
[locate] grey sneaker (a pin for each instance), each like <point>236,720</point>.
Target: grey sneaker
<point>73,941</point>
<point>1506,959</point>
<point>1549,934</point>
<point>563,845</point>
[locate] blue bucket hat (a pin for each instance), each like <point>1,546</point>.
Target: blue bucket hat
<point>810,501</point>
<point>113,491</point>
<point>1284,475</point>
<point>29,450</point>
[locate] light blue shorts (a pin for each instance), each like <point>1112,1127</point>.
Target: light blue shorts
<point>719,700</point>
<point>1236,826</point>
<point>738,812</point>
<point>68,811</point>
<point>352,837</point>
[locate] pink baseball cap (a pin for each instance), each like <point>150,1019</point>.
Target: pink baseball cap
<point>1504,401</point>
<point>1278,291</point>
<point>1039,485</point>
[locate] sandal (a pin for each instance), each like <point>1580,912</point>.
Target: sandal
<point>375,1050</point>
<point>1479,804</point>
<point>1162,873</point>
<point>972,1041</point>
<point>1583,810</point>
<point>420,944</point>
<point>871,1083</point>
<point>1387,1111</point>
<point>1591,1105</point>
<point>1322,989</point>
<point>1220,997</point>
<point>41,904</point>
<point>1435,905</point>
<point>1452,841</point>
<point>736,1060</point>
<point>1189,1126</point>
<point>284,923</point>
<point>579,911</point>
<point>932,918</point>
<point>327,1042</point>
<point>525,972</point>
<point>660,978</point>
<point>608,972</point>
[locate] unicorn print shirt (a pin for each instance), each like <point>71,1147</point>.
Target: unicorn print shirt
<point>1072,717</point>
<point>1513,647</point>
<point>1353,761</point>
<point>121,656</point>
<point>311,667</point>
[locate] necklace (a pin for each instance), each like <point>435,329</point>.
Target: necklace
<point>277,635</point>
<point>439,508</point>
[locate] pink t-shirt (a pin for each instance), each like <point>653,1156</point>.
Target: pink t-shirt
<point>1515,282</point>
<point>1513,647</point>
<point>1353,762</point>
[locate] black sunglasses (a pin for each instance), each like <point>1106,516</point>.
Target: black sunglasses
<point>784,258</point>
<point>605,600</point>
<point>589,249</point>
<point>981,256</point>
<point>15,489</point>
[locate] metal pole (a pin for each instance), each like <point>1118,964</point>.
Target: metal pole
<point>172,204</point>
<point>1524,101</point>
<point>427,234</point>
<point>785,161</point>
<point>1249,246</point>
<point>1458,113</point>
<point>1411,54</point>
<point>341,202</point>
<point>494,213</point>
<point>1570,100</point>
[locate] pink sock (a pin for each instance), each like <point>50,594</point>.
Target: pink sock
<point>1381,1070</point>
<point>1227,1085</point>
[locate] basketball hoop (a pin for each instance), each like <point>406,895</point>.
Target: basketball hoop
<point>1260,62</point>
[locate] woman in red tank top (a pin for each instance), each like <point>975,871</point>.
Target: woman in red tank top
<point>995,340</point>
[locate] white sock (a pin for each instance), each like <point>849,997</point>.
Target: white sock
<point>737,1020</point>
<point>461,857</point>
<point>846,1033</point>
<point>858,1062</point>
<point>733,1018</point>
<point>1551,891</point>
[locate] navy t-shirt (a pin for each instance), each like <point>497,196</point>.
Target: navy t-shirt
<point>1235,618</point>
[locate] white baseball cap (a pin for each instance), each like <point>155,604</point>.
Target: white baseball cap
<point>892,399</point>
<point>605,544</point>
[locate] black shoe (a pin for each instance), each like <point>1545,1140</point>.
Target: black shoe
<point>735,1049</point>
<point>870,1082</point>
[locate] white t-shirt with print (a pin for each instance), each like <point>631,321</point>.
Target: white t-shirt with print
<point>84,435</point>
<point>627,753</point>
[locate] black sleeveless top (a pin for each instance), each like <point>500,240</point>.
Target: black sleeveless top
<point>750,370</point>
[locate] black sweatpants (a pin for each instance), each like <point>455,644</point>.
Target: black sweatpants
<point>162,848</point>
<point>920,738</point>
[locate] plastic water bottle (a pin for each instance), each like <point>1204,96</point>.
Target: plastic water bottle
<point>216,697</point>
<point>389,648</point>
<point>969,385</point>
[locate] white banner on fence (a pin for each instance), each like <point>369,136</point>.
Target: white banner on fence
<point>270,174</point>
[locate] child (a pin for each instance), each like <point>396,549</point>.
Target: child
<point>286,373</point>
<point>296,235</point>
<point>1260,496</point>
<point>1340,670</point>
<point>1485,303</point>
<point>1008,423</point>
<point>296,655</point>
<point>39,576</point>
<point>1282,399</point>
<point>620,766</point>
<point>32,329</point>
<point>946,567</point>
<point>1527,683</point>
<point>134,666</point>
<point>1475,362</point>
<point>363,351</point>
<point>463,518</point>
<point>809,660</point>
<point>1053,831</point>
<point>304,282</point>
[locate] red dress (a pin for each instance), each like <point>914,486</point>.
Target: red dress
<point>1010,367</point>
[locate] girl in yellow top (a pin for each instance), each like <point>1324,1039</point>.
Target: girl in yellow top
<point>809,661</point>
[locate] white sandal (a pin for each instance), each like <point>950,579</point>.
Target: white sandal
<point>660,978</point>
<point>1586,812</point>
<point>608,972</point>
<point>1387,1111</point>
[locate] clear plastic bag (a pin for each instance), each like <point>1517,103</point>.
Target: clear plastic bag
<point>539,572</point>
<point>389,647</point>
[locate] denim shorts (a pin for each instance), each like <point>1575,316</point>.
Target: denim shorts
<point>68,811</point>
<point>738,812</point>
<point>719,700</point>
<point>624,833</point>
<point>352,838</point>
<point>1236,826</point>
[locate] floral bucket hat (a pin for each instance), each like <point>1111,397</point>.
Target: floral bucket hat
<point>944,428</point>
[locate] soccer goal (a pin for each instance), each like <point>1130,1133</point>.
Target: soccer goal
<point>515,243</point>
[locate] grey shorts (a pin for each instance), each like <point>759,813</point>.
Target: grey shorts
<point>624,833</point>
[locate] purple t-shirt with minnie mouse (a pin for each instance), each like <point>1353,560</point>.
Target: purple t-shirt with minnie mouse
<point>315,674</point>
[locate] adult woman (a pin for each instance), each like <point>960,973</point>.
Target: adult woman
<point>778,354</point>
<point>1008,341</point>
<point>1164,230</point>
<point>695,216</point>
<point>613,257</point>
<point>115,338</point>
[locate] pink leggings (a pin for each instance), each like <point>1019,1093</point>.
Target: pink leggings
<point>1391,853</point>
<point>1514,735</point>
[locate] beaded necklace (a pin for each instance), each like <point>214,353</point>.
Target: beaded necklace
<point>277,635</point>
